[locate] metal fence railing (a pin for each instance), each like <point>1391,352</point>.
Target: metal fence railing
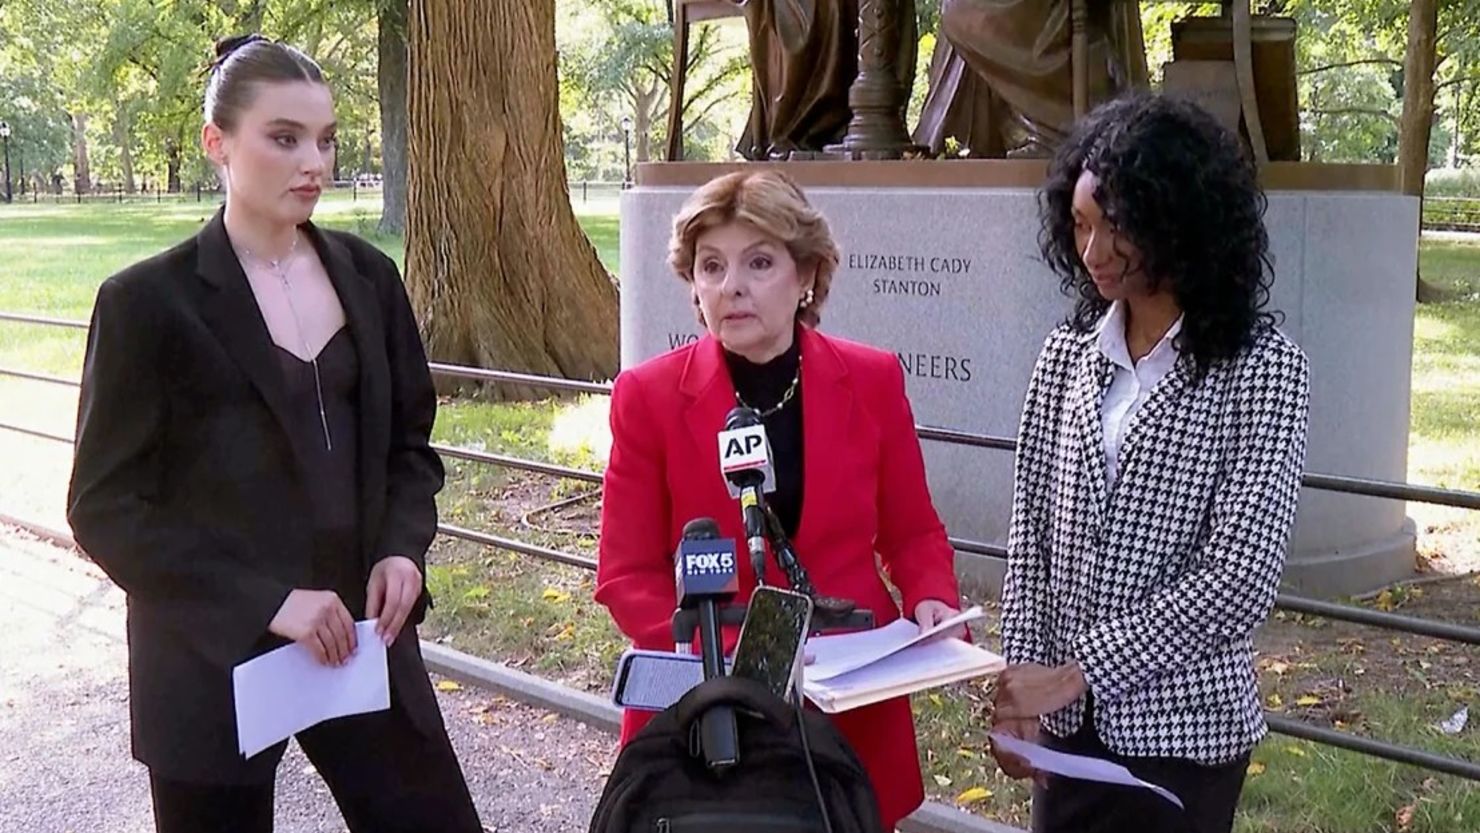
<point>192,193</point>
<point>119,196</point>
<point>1453,632</point>
<point>584,191</point>
<point>1451,214</point>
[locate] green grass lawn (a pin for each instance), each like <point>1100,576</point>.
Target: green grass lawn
<point>541,617</point>
<point>52,258</point>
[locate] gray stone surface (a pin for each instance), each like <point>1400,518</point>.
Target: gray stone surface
<point>950,279</point>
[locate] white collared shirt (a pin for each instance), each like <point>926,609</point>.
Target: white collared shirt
<point>1133,381</point>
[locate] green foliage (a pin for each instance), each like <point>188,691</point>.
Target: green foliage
<point>135,68</point>
<point>1350,54</point>
<point>41,134</point>
<point>616,60</point>
<point>1454,183</point>
<point>38,68</point>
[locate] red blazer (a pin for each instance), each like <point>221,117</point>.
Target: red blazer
<point>864,492</point>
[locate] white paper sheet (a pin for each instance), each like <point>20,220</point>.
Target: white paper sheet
<point>285,691</point>
<point>837,655</point>
<point>919,662</point>
<point>1077,766</point>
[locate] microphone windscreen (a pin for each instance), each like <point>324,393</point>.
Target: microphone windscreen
<point>700,529</point>
<point>741,417</point>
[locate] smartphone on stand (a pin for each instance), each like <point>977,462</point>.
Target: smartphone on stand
<point>772,637</point>
<point>654,680</point>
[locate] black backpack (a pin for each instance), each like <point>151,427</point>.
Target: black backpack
<point>661,784</point>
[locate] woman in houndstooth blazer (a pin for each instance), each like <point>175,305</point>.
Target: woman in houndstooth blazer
<point>1158,471</point>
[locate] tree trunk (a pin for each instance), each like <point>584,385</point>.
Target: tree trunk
<point>1418,107</point>
<point>392,82</point>
<point>81,170</point>
<point>1418,95</point>
<point>643,105</point>
<point>1457,140</point>
<point>125,154</point>
<point>172,165</point>
<point>499,271</point>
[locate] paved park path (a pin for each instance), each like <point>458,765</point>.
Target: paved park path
<point>64,737</point>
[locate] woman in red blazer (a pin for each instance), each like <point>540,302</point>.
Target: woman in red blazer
<point>850,477</point>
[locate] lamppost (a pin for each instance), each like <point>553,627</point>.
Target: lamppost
<point>626,151</point>
<point>5,138</point>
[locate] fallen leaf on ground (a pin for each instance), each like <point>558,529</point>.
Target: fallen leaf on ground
<point>974,795</point>
<point>1256,768</point>
<point>448,685</point>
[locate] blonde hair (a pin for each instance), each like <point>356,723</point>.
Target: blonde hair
<point>774,204</point>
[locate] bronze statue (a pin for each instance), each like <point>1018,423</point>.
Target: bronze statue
<point>804,55</point>
<point>1000,80</point>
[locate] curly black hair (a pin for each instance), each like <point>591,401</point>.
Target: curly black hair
<point>1175,183</point>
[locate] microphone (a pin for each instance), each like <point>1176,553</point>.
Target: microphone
<point>704,567</point>
<point>745,462</point>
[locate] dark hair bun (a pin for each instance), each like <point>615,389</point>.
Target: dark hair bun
<point>240,64</point>
<point>226,46</point>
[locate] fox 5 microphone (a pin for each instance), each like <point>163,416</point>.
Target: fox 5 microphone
<point>745,462</point>
<point>704,567</point>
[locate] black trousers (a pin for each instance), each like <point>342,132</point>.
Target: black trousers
<point>1210,794</point>
<point>385,775</point>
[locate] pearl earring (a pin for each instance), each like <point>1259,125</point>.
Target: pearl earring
<point>807,299</point>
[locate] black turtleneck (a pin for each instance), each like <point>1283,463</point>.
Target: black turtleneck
<point>761,386</point>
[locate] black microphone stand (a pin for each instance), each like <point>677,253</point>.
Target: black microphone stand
<point>828,612</point>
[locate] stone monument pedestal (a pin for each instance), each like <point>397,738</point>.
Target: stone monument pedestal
<point>941,265</point>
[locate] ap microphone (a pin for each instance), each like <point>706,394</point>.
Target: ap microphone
<point>745,453</point>
<point>704,567</point>
<point>745,462</point>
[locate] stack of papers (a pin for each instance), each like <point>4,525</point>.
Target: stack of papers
<point>857,669</point>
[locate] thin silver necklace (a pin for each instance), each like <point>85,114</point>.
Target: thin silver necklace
<point>279,269</point>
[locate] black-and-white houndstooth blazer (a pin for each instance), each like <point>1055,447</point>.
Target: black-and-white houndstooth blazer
<point>1155,585</point>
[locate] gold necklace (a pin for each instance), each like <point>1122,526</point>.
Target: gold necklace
<point>791,391</point>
